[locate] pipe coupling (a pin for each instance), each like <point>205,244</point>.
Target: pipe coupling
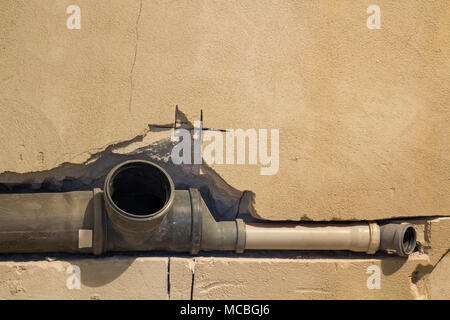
<point>374,242</point>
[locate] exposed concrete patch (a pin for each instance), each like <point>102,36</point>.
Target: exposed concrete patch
<point>222,199</point>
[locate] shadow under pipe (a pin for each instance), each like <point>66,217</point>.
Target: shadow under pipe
<point>140,210</point>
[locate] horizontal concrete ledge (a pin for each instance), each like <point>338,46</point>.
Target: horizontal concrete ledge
<point>91,278</point>
<point>212,278</point>
<point>224,278</point>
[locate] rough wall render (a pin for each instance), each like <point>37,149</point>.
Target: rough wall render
<point>362,117</point>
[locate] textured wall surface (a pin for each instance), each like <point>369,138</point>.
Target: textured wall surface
<point>363,118</point>
<point>215,278</point>
<point>363,115</point>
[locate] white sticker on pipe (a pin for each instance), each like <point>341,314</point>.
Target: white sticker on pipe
<point>84,238</point>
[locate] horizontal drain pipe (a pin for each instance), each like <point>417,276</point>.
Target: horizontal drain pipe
<point>140,210</point>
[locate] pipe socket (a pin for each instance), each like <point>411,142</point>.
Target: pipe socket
<point>138,196</point>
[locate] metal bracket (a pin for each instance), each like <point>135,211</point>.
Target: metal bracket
<point>178,121</point>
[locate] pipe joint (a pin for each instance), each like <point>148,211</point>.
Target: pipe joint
<point>374,241</point>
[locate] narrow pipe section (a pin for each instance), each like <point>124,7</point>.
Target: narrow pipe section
<point>355,237</point>
<point>365,237</point>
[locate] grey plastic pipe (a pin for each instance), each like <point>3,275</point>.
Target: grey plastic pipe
<point>368,237</point>
<point>140,210</point>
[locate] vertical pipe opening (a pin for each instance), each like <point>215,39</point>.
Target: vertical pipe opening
<point>140,189</point>
<point>138,195</point>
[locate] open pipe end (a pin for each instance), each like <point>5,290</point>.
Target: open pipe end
<point>400,237</point>
<point>138,195</point>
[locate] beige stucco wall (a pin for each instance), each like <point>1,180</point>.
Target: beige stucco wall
<point>363,118</point>
<point>363,115</point>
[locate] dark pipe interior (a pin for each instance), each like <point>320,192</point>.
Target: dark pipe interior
<point>139,189</point>
<point>409,240</point>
